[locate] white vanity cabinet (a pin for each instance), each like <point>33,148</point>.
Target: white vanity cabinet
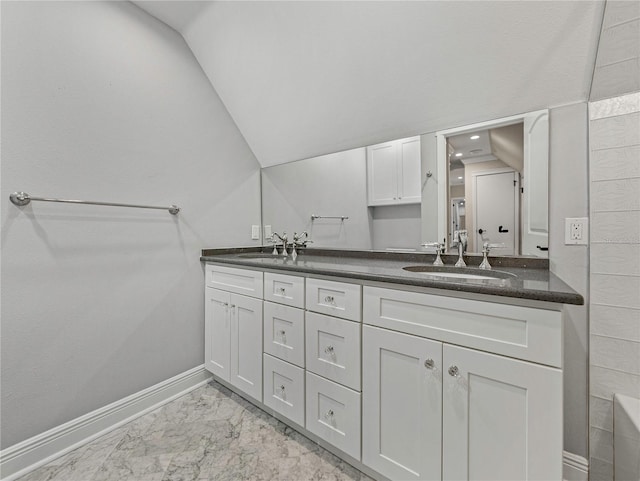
<point>435,410</point>
<point>233,328</point>
<point>393,172</point>
<point>405,383</point>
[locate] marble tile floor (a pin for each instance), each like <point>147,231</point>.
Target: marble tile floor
<point>207,434</point>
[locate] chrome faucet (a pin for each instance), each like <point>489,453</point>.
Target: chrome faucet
<point>486,247</point>
<point>284,239</point>
<point>299,240</point>
<point>439,247</point>
<point>462,247</point>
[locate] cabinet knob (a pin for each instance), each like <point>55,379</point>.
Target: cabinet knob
<point>282,290</point>
<point>282,388</point>
<point>454,371</point>
<point>328,349</point>
<point>429,364</point>
<point>282,333</point>
<point>329,414</point>
<point>329,299</point>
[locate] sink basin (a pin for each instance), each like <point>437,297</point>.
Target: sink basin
<point>260,255</point>
<point>459,272</point>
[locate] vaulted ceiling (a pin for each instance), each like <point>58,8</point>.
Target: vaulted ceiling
<point>302,79</point>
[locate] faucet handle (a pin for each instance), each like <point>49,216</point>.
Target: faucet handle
<point>487,246</point>
<point>439,247</point>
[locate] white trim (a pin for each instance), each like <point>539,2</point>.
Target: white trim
<point>575,468</point>
<point>21,458</point>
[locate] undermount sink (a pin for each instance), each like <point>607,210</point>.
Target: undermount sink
<point>459,272</point>
<point>261,255</point>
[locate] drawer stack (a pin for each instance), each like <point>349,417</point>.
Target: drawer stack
<point>333,390</point>
<point>284,345</point>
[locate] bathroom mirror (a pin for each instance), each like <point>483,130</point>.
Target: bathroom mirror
<point>496,187</point>
<point>327,195</point>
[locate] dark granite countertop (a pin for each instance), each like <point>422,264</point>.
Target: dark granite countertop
<point>532,277</point>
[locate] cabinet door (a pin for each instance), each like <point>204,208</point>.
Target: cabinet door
<point>216,332</point>
<point>401,404</point>
<point>382,171</point>
<point>409,177</point>
<point>502,418</point>
<point>246,345</point>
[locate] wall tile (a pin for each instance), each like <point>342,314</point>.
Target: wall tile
<point>600,470</point>
<point>615,290</point>
<point>613,132</point>
<point>619,42</point>
<point>605,382</point>
<point>601,445</point>
<point>616,79</point>
<point>619,322</point>
<point>615,107</point>
<point>618,354</point>
<point>620,163</point>
<point>615,259</point>
<point>615,227</point>
<point>601,413</point>
<point>615,195</point>
<point>619,11</point>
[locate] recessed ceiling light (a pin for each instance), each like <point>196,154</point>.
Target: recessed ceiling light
<point>474,137</point>
<point>459,154</point>
<point>459,178</point>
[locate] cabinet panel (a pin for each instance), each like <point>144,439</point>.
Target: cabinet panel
<point>246,345</point>
<point>333,413</point>
<point>333,348</point>
<point>409,177</point>
<point>232,279</point>
<point>382,174</point>
<point>337,299</point>
<point>216,332</point>
<point>284,388</point>
<point>284,333</point>
<point>284,289</point>
<point>401,404</point>
<point>522,332</point>
<point>502,418</point>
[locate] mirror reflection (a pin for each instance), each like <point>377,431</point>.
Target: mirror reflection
<point>490,188</point>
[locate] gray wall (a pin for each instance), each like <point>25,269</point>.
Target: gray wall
<point>329,185</point>
<point>101,101</point>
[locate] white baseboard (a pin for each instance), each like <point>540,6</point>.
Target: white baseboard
<point>21,458</point>
<point>575,468</point>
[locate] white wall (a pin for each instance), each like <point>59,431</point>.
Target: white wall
<point>329,185</point>
<point>101,101</point>
<point>396,227</point>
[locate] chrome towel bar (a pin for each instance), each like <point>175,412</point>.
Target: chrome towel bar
<point>22,198</point>
<point>341,217</point>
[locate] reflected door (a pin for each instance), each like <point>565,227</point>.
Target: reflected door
<point>496,211</point>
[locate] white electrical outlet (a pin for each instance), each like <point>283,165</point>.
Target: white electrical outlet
<point>255,232</point>
<point>576,231</point>
<point>267,232</point>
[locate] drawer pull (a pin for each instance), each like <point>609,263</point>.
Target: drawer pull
<point>454,371</point>
<point>282,388</point>
<point>282,290</point>
<point>429,364</point>
<point>329,414</point>
<point>329,350</point>
<point>329,299</point>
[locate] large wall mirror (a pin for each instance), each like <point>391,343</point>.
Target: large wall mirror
<point>491,180</point>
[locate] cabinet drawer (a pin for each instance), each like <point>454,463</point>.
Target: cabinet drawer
<point>284,388</point>
<point>284,333</point>
<point>333,413</point>
<point>335,298</point>
<point>333,349</point>
<point>515,331</point>
<point>284,289</point>
<point>240,281</point>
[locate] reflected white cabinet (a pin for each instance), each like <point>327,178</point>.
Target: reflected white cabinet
<point>401,404</point>
<point>393,172</point>
<point>502,418</point>
<point>233,339</point>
